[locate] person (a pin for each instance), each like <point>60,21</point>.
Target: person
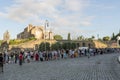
<point>12,58</point>
<point>32,55</point>
<point>88,53</point>
<point>41,56</point>
<point>36,57</point>
<point>28,57</point>
<point>1,61</point>
<point>20,59</point>
<point>16,57</point>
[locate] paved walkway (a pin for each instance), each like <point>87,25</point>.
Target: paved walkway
<point>100,67</point>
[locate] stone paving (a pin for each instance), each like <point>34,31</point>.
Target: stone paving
<point>100,67</point>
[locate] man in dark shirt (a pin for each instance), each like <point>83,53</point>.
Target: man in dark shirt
<point>1,61</point>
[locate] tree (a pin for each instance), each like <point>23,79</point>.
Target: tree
<point>69,37</point>
<point>80,38</point>
<point>113,37</point>
<point>106,38</point>
<point>93,37</point>
<point>117,36</point>
<point>42,46</point>
<point>90,39</point>
<point>58,37</point>
<point>69,45</point>
<point>66,45</point>
<point>73,45</point>
<point>56,46</point>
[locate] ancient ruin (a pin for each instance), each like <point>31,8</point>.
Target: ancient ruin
<point>35,31</point>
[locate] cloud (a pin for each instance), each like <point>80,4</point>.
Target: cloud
<point>87,20</point>
<point>104,6</point>
<point>2,14</point>
<point>75,5</point>
<point>60,13</point>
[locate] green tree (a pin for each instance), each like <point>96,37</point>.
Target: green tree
<point>73,45</point>
<point>113,37</point>
<point>90,39</point>
<point>106,38</point>
<point>66,45</point>
<point>117,36</point>
<point>56,46</point>
<point>58,37</point>
<point>69,45</point>
<point>42,46</point>
<point>69,37</point>
<point>80,38</point>
<point>93,37</point>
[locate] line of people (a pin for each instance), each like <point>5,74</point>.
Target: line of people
<point>28,56</point>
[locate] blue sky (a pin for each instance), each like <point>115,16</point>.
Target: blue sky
<point>79,17</point>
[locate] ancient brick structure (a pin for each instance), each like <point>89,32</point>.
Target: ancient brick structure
<point>35,31</point>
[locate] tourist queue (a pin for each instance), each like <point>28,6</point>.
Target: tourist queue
<point>28,56</point>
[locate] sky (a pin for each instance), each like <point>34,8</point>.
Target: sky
<point>78,17</point>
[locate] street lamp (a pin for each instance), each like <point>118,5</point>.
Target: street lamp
<point>46,25</point>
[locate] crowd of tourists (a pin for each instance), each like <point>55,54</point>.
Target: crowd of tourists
<point>30,56</point>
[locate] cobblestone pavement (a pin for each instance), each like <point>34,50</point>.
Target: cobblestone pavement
<point>100,67</point>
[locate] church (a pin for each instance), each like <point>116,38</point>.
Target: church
<point>35,31</point>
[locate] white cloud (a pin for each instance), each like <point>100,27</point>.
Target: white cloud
<point>87,20</point>
<point>2,14</point>
<point>75,5</point>
<point>60,13</point>
<point>104,6</point>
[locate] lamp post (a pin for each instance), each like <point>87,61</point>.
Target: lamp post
<point>46,25</point>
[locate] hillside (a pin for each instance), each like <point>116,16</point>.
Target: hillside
<point>99,44</point>
<point>30,44</point>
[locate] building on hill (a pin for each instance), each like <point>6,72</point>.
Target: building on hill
<point>6,36</point>
<point>35,31</point>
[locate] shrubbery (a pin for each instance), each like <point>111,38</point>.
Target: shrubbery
<point>0,42</point>
<point>57,46</point>
<point>18,41</point>
<point>42,46</point>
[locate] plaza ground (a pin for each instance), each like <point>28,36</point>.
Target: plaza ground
<point>99,67</point>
